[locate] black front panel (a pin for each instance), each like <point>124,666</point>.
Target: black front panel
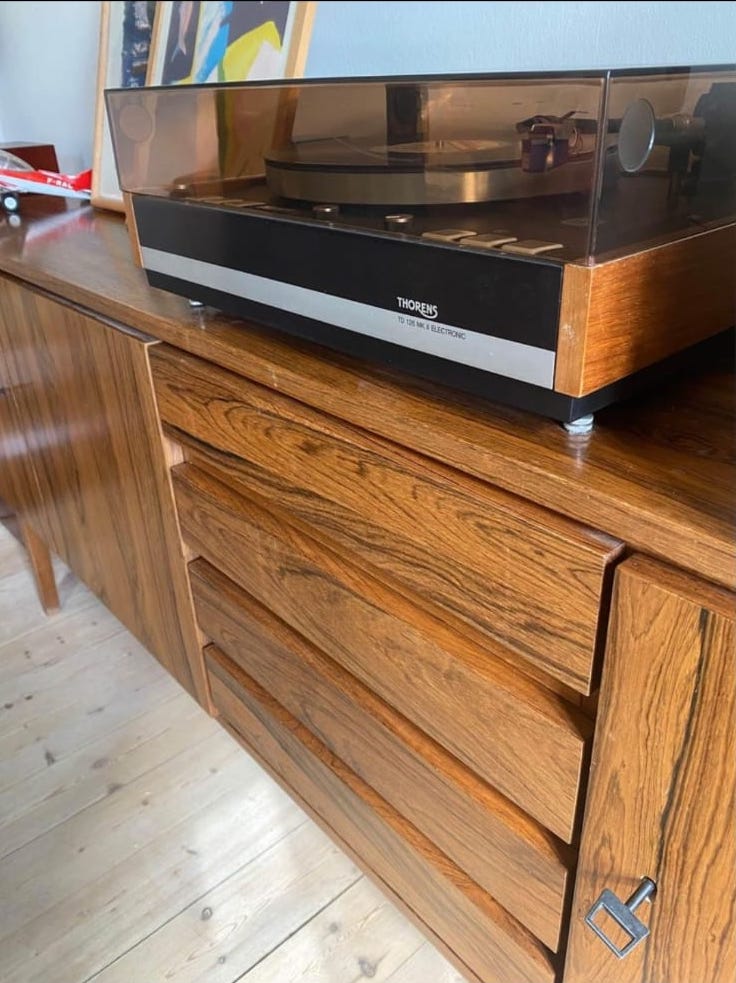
<point>496,388</point>
<point>490,293</point>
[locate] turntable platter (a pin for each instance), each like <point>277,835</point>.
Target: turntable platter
<point>447,150</point>
<point>425,172</point>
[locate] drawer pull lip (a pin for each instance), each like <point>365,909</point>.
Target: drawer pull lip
<point>622,912</point>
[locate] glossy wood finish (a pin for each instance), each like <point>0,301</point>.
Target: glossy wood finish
<point>577,284</point>
<point>324,522</point>
<point>634,482</point>
<point>507,570</point>
<point>86,406</point>
<point>662,799</point>
<point>516,861</point>
<point>525,742</point>
<point>132,227</point>
<point>18,487</point>
<point>42,569</point>
<point>18,493</point>
<point>474,927</point>
<point>627,313</point>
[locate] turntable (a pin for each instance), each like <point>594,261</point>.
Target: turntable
<point>552,241</point>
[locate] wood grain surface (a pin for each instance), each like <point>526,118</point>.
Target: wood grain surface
<point>527,743</point>
<point>635,482</point>
<point>662,800</point>
<point>18,487</point>
<point>625,314</point>
<point>509,570</point>
<point>516,861</point>
<point>572,337</point>
<point>474,927</point>
<point>104,502</point>
<point>328,524</point>
<point>39,559</point>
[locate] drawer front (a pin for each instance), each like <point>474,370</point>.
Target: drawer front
<point>473,928</point>
<point>498,846</point>
<point>499,567</point>
<point>524,741</point>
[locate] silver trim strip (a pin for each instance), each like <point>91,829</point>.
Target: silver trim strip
<point>507,358</point>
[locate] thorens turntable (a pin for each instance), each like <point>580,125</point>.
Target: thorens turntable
<point>550,241</point>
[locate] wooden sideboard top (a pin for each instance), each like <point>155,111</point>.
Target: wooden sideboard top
<point>658,472</point>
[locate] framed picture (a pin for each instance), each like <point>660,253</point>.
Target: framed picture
<point>196,42</point>
<point>126,29</point>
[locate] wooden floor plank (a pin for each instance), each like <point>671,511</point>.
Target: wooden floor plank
<point>114,827</point>
<point>223,934</point>
<point>124,669</point>
<point>359,936</point>
<point>12,555</point>
<point>43,658</point>
<point>54,642</point>
<point>21,609</point>
<point>90,928</point>
<point>29,750</point>
<point>31,807</point>
<point>425,966</point>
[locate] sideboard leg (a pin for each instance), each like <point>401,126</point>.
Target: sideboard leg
<point>41,567</point>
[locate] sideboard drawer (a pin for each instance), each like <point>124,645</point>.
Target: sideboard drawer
<point>523,740</point>
<point>520,864</point>
<point>477,931</point>
<point>496,566</point>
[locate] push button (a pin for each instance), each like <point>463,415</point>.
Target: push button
<point>531,247</point>
<point>488,240</point>
<point>448,235</point>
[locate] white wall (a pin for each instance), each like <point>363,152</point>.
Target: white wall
<point>48,69</point>
<point>48,51</point>
<point>429,37</point>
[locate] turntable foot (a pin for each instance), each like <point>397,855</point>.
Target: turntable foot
<point>583,425</point>
<point>195,303</point>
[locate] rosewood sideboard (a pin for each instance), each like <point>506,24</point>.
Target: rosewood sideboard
<point>493,660</point>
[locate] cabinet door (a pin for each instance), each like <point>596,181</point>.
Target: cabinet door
<point>661,801</point>
<point>85,404</point>
<point>17,488</point>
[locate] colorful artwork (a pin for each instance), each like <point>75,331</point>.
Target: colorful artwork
<point>222,42</point>
<point>126,32</point>
<point>137,28</point>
